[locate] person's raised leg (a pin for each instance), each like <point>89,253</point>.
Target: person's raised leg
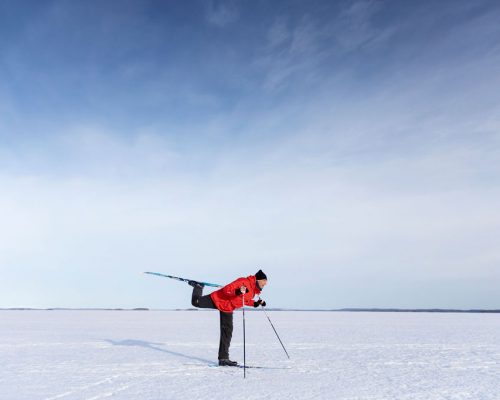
<point>197,294</point>
<point>197,300</point>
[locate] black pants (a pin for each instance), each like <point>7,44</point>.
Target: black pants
<point>226,320</point>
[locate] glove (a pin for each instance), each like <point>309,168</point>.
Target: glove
<point>240,291</point>
<point>260,302</point>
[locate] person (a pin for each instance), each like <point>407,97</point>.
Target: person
<point>230,297</point>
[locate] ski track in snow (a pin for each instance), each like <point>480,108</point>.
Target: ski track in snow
<point>93,355</point>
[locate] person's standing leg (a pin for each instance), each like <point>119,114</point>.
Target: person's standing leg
<point>226,322</point>
<point>226,333</point>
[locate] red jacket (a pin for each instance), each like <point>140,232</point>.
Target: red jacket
<point>226,299</point>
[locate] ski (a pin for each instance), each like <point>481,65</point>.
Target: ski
<point>249,367</point>
<point>245,367</point>
<point>259,367</point>
<point>182,279</point>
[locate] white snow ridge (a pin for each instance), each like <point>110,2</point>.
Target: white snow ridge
<point>146,355</point>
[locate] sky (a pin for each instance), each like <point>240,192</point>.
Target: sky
<point>350,149</point>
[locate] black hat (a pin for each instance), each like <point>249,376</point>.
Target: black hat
<point>260,275</point>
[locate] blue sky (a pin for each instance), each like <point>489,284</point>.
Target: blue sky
<point>350,149</point>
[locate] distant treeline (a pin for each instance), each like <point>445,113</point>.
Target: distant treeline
<point>75,309</point>
<point>413,310</point>
<point>432,310</point>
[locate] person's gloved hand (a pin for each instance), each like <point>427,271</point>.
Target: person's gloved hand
<point>260,302</point>
<point>241,290</point>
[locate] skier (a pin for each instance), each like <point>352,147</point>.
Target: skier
<point>226,300</point>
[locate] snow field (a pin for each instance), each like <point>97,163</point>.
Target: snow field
<point>90,355</point>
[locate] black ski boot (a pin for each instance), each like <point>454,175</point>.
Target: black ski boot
<point>226,362</point>
<point>195,284</point>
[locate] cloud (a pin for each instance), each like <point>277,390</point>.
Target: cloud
<point>303,48</point>
<point>221,13</point>
<point>296,204</point>
<point>278,33</point>
<point>362,164</point>
<point>354,28</point>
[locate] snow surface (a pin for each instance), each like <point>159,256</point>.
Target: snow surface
<point>52,355</point>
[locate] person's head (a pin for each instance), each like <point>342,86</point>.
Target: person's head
<point>261,278</point>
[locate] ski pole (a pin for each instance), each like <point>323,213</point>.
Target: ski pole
<point>274,329</point>
<point>244,344</point>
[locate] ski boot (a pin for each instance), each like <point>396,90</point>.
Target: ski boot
<point>195,284</point>
<point>226,362</point>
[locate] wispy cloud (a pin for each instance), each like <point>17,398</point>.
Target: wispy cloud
<point>301,50</point>
<point>221,12</point>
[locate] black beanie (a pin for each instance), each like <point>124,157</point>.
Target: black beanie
<point>260,275</point>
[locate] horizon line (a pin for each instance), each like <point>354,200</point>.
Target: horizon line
<point>350,309</point>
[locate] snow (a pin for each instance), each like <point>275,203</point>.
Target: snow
<point>52,355</point>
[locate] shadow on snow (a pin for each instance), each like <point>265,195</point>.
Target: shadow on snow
<point>154,346</point>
